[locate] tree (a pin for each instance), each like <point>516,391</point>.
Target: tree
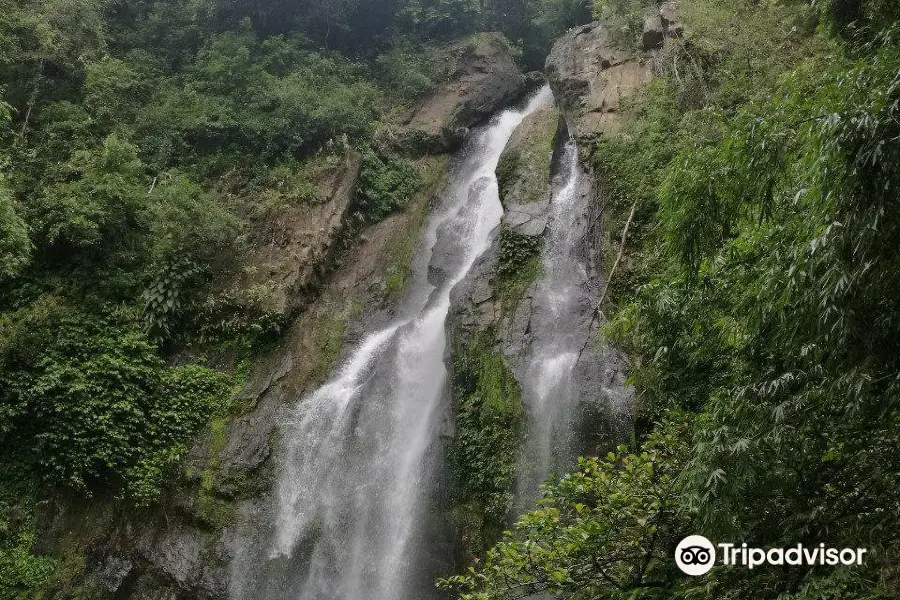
<point>43,45</point>
<point>94,203</point>
<point>606,530</point>
<point>15,245</point>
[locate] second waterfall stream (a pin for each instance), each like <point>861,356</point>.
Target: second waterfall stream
<point>357,464</point>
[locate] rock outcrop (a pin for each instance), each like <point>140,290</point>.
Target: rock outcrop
<point>524,173</point>
<point>286,268</point>
<point>481,78</point>
<point>591,75</point>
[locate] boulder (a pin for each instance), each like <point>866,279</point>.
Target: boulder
<point>524,172</point>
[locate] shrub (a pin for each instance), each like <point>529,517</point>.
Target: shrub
<point>625,18</point>
<point>384,185</point>
<point>404,74</point>
<point>15,246</point>
<point>95,200</point>
<point>86,400</point>
<point>488,415</point>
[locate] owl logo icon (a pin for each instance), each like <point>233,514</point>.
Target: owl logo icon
<point>695,555</point>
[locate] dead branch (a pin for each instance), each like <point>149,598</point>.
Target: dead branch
<point>597,311</point>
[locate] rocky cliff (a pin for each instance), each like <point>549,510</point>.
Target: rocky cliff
<point>503,315</point>
<point>479,77</point>
<point>593,75</point>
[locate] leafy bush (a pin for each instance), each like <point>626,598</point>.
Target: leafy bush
<point>95,201</point>
<point>603,531</point>
<point>22,573</point>
<point>519,264</point>
<point>625,18</point>
<point>87,401</point>
<point>242,96</point>
<point>404,74</point>
<point>516,250</point>
<point>384,185</point>
<point>15,245</point>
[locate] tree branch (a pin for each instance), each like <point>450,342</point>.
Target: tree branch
<point>612,272</point>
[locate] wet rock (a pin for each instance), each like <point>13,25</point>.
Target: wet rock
<point>114,572</point>
<point>473,305</point>
<point>481,78</point>
<point>523,172</point>
<point>247,448</point>
<point>179,553</point>
<point>654,32</point>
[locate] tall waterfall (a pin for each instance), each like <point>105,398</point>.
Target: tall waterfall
<point>561,388</point>
<point>346,521</point>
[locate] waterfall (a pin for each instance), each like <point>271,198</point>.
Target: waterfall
<point>561,388</point>
<point>346,521</point>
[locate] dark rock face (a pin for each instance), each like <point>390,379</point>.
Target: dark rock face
<point>525,194</point>
<point>599,414</point>
<point>654,32</point>
<point>482,79</point>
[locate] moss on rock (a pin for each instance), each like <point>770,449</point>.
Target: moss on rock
<point>488,415</point>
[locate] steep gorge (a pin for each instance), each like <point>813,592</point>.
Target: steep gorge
<point>316,299</point>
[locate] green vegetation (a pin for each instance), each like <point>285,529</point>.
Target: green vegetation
<point>598,531</point>
<point>506,169</point>
<point>483,454</point>
<point>625,18</point>
<point>327,340</point>
<point>384,186</point>
<point>760,313</point>
<point>400,248</point>
<point>518,266</point>
<point>87,400</point>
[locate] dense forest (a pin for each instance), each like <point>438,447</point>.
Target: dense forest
<point>147,144</point>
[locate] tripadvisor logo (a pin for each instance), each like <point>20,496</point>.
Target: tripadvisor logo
<point>695,555</point>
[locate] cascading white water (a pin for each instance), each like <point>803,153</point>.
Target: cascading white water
<point>562,298</point>
<point>357,451</point>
